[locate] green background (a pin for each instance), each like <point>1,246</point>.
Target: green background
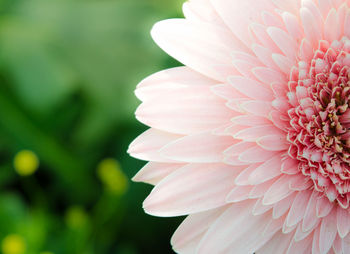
<point>67,74</point>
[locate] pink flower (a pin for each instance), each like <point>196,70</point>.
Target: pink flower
<point>251,139</point>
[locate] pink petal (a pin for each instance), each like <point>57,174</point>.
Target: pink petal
<point>278,244</point>
<point>324,6</point>
<point>310,218</point>
<point>328,232</point>
<point>278,190</point>
<point>297,210</point>
<point>244,67</point>
<point>323,207</point>
<point>214,50</point>
<point>259,190</point>
<point>264,55</point>
<point>275,117</point>
<point>347,24</point>
<point>166,81</point>
<point>259,208</point>
<point>241,55</point>
<point>331,27</point>
<point>193,228</point>
<point>284,41</point>
<point>253,133</point>
<point>266,171</point>
<point>200,148</point>
<point>226,92</point>
<point>312,7</point>
<point>224,231</point>
<point>258,108</point>
<point>239,193</point>
<point>255,154</point>
<point>262,37</point>
<point>191,189</point>
<point>292,25</point>
<point>271,19</point>
<point>302,247</point>
<point>290,166</point>
<point>148,144</point>
<point>300,234</point>
<point>251,88</point>
<point>243,177</point>
<point>237,148</point>
<point>235,104</point>
<point>201,11</point>
<point>268,75</point>
<point>306,52</point>
<point>191,110</point>
<point>250,120</point>
<point>153,172</point>
<point>237,20</point>
<point>273,142</point>
<point>288,5</point>
<point>337,245</point>
<point>311,29</point>
<point>343,222</point>
<point>316,240</point>
<point>284,63</point>
<point>346,244</point>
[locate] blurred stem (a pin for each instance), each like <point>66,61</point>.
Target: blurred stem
<point>108,214</point>
<point>34,191</point>
<point>20,129</point>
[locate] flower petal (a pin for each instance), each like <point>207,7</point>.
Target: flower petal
<point>343,222</point>
<point>185,111</point>
<point>200,148</point>
<point>224,231</point>
<point>153,172</point>
<point>328,232</point>
<point>167,81</point>
<point>266,171</point>
<point>192,229</point>
<point>251,88</point>
<point>214,50</point>
<point>191,189</point>
<point>148,144</point>
<point>238,20</point>
<point>278,190</point>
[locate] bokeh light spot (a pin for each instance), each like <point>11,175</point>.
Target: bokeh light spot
<point>26,162</point>
<point>13,244</point>
<point>76,217</point>
<point>112,176</point>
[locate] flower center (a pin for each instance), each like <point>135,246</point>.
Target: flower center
<point>319,119</point>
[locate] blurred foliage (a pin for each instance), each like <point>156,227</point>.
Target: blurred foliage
<point>67,74</point>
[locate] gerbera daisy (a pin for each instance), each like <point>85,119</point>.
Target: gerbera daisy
<point>251,138</point>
